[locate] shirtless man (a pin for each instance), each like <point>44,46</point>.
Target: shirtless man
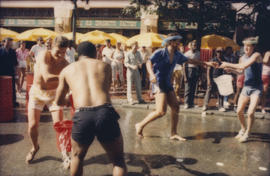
<point>89,80</point>
<point>160,67</point>
<point>48,66</point>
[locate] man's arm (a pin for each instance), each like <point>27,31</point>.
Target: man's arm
<point>266,58</point>
<point>243,65</point>
<point>201,63</point>
<point>62,90</point>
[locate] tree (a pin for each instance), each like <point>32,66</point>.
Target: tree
<point>210,16</point>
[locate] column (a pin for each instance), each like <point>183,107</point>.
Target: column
<point>62,15</point>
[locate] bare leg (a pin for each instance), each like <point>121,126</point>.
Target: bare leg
<point>236,96</point>
<point>116,155</point>
<point>174,105</point>
<point>78,153</point>
<point>242,102</point>
<point>33,123</point>
<point>264,94</point>
<point>161,108</point>
<point>254,100</point>
<point>22,77</point>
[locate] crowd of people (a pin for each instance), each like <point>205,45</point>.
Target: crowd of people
<point>87,71</point>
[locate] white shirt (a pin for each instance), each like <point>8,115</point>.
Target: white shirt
<point>70,55</point>
<point>192,55</point>
<point>145,55</point>
<point>36,49</point>
<point>107,54</point>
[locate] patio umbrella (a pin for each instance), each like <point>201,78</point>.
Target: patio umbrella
<point>97,37</point>
<point>119,37</point>
<point>147,39</point>
<point>7,33</point>
<point>33,34</point>
<point>213,41</point>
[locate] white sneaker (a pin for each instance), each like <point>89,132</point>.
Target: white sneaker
<point>243,138</point>
<point>186,106</point>
<point>240,134</point>
<point>222,109</point>
<point>204,108</point>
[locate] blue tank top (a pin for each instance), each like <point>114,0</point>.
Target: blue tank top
<point>253,74</point>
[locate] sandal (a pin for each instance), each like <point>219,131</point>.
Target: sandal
<point>30,156</point>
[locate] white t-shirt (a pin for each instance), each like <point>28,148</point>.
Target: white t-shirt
<point>70,55</point>
<point>192,55</point>
<point>107,54</point>
<point>145,56</point>
<point>36,49</point>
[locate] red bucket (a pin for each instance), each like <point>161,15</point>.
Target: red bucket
<point>6,105</point>
<point>63,135</point>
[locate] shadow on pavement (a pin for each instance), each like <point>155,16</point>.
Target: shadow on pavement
<point>6,139</point>
<point>217,136</point>
<point>45,158</point>
<point>148,162</point>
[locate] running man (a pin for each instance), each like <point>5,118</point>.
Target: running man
<point>252,90</point>
<point>160,68</point>
<point>49,64</point>
<point>89,80</point>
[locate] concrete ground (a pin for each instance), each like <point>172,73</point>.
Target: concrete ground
<point>210,150</point>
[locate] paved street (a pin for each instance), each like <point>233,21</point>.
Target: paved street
<point>210,149</point>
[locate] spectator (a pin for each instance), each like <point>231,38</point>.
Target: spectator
<point>117,65</point>
<point>211,85</point>
<point>37,48</point>
<point>133,61</point>
<point>8,65</point>
<point>22,55</point>
<point>265,78</point>
<point>229,57</point>
<point>48,43</point>
<point>107,52</point>
<point>145,56</point>
<point>70,52</point>
<point>191,74</point>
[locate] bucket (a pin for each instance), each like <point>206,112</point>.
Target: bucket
<point>224,84</point>
<point>63,135</point>
<point>6,105</point>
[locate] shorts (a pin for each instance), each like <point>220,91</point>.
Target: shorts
<point>100,121</point>
<point>162,87</point>
<point>248,91</point>
<point>22,64</point>
<point>265,79</point>
<point>39,98</point>
<point>240,81</point>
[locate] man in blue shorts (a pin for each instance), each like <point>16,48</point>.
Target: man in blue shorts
<point>89,80</point>
<point>160,68</point>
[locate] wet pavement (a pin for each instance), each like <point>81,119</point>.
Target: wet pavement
<point>210,150</point>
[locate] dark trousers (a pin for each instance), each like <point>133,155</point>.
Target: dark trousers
<point>190,85</point>
<point>143,74</point>
<point>210,90</point>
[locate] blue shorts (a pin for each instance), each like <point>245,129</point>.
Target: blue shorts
<point>248,91</point>
<point>100,121</point>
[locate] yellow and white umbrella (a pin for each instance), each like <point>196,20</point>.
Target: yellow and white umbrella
<point>147,39</point>
<point>119,37</point>
<point>33,34</point>
<point>213,41</point>
<point>8,33</point>
<point>97,37</point>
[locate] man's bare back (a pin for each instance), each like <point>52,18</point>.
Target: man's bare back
<point>47,70</point>
<point>89,80</point>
